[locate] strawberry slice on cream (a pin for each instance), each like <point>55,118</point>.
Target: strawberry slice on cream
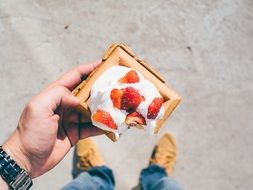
<point>122,98</point>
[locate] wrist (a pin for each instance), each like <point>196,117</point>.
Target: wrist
<point>14,149</point>
<point>12,174</point>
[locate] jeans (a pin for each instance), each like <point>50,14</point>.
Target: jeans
<point>153,177</point>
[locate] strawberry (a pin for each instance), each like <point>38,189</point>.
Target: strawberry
<point>116,95</point>
<point>154,108</point>
<point>126,99</point>
<point>105,118</point>
<point>130,99</point>
<point>130,77</point>
<point>134,119</point>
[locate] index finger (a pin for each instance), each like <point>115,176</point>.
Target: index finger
<point>72,78</point>
<point>88,130</point>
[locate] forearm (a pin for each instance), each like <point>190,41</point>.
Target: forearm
<point>3,185</point>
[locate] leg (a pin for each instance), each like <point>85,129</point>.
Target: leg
<point>89,170</point>
<point>97,178</point>
<point>162,161</point>
<point>155,178</point>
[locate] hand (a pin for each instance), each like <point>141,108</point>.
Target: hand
<point>50,125</point>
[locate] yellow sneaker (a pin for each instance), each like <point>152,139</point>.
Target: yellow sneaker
<point>86,156</point>
<point>165,153</point>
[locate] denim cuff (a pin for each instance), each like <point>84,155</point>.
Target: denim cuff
<point>150,175</point>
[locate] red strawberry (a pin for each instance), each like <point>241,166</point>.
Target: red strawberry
<point>105,118</point>
<point>154,108</point>
<point>134,119</point>
<point>130,77</point>
<point>130,99</point>
<point>116,95</point>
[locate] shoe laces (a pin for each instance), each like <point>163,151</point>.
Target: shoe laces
<point>164,158</point>
<point>87,160</point>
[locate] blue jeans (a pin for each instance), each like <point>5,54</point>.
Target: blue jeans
<point>153,177</point>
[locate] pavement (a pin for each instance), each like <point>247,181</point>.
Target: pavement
<point>204,49</point>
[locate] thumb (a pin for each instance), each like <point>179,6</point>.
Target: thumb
<point>53,97</point>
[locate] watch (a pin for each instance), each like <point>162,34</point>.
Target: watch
<point>16,177</point>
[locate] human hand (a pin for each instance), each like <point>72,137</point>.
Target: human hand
<point>50,125</point>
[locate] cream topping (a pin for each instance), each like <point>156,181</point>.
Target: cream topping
<point>100,98</point>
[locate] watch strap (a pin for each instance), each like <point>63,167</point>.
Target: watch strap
<point>16,177</point>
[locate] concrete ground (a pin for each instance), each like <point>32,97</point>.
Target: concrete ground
<point>203,48</point>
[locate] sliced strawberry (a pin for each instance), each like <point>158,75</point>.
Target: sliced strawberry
<point>131,99</point>
<point>126,99</point>
<point>105,118</point>
<point>116,95</point>
<point>130,77</point>
<point>135,118</point>
<point>154,108</point>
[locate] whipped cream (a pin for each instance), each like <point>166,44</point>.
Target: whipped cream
<point>100,99</point>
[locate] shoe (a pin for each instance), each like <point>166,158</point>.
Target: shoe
<point>86,156</point>
<point>165,153</point>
